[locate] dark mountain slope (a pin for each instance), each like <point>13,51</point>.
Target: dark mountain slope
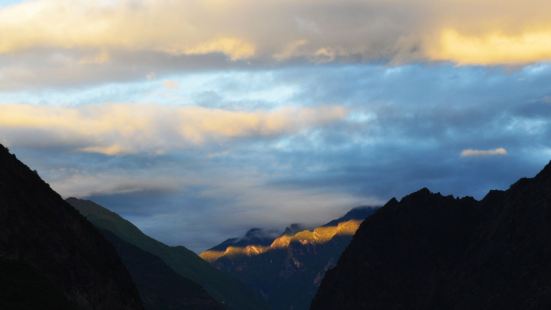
<point>24,288</point>
<point>160,287</point>
<point>434,252</point>
<point>359,213</point>
<point>46,236</point>
<point>224,288</point>
<point>288,269</point>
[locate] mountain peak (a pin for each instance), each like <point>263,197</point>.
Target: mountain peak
<point>259,233</point>
<point>545,173</point>
<point>293,228</point>
<point>74,257</point>
<point>259,241</point>
<point>295,261</point>
<point>454,241</point>
<point>419,196</point>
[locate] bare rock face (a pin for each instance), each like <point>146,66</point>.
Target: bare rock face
<point>44,236</point>
<point>428,251</point>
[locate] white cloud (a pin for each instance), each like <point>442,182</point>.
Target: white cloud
<point>476,153</point>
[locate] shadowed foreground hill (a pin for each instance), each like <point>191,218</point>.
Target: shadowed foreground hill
<point>50,255</point>
<point>160,287</point>
<point>24,288</point>
<point>221,286</point>
<point>287,269</point>
<point>434,252</point>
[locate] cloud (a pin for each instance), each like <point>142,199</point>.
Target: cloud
<point>114,129</point>
<point>121,25</point>
<point>234,48</point>
<point>404,128</point>
<point>171,84</point>
<point>493,47</point>
<point>106,40</point>
<point>80,184</point>
<point>477,153</point>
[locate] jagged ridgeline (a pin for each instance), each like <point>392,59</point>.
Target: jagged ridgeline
<point>50,256</point>
<point>435,252</point>
<point>286,268</point>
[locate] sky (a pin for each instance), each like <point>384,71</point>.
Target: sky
<point>199,119</point>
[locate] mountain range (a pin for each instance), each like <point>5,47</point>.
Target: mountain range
<point>183,263</point>
<point>429,251</point>
<point>287,268</point>
<point>425,251</point>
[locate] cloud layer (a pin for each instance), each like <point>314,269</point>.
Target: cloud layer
<point>45,42</point>
<point>270,147</point>
<point>255,113</point>
<point>114,129</point>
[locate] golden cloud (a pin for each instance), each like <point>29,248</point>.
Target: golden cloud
<point>114,129</point>
<point>493,48</point>
<point>234,48</point>
<point>466,31</point>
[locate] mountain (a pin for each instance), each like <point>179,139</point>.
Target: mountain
<point>160,287</point>
<point>429,251</point>
<point>255,236</point>
<point>227,290</point>
<point>22,287</point>
<point>288,268</point>
<point>50,256</point>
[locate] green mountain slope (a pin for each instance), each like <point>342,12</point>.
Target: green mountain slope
<point>225,289</point>
<point>160,287</point>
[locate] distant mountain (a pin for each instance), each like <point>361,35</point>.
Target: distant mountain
<point>50,256</point>
<point>160,287</point>
<point>255,236</point>
<point>288,268</point>
<point>434,252</point>
<point>227,290</point>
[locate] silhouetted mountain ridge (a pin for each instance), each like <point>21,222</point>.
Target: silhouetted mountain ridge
<point>41,234</point>
<point>429,251</point>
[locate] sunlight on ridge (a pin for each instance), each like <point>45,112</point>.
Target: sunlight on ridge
<point>319,235</point>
